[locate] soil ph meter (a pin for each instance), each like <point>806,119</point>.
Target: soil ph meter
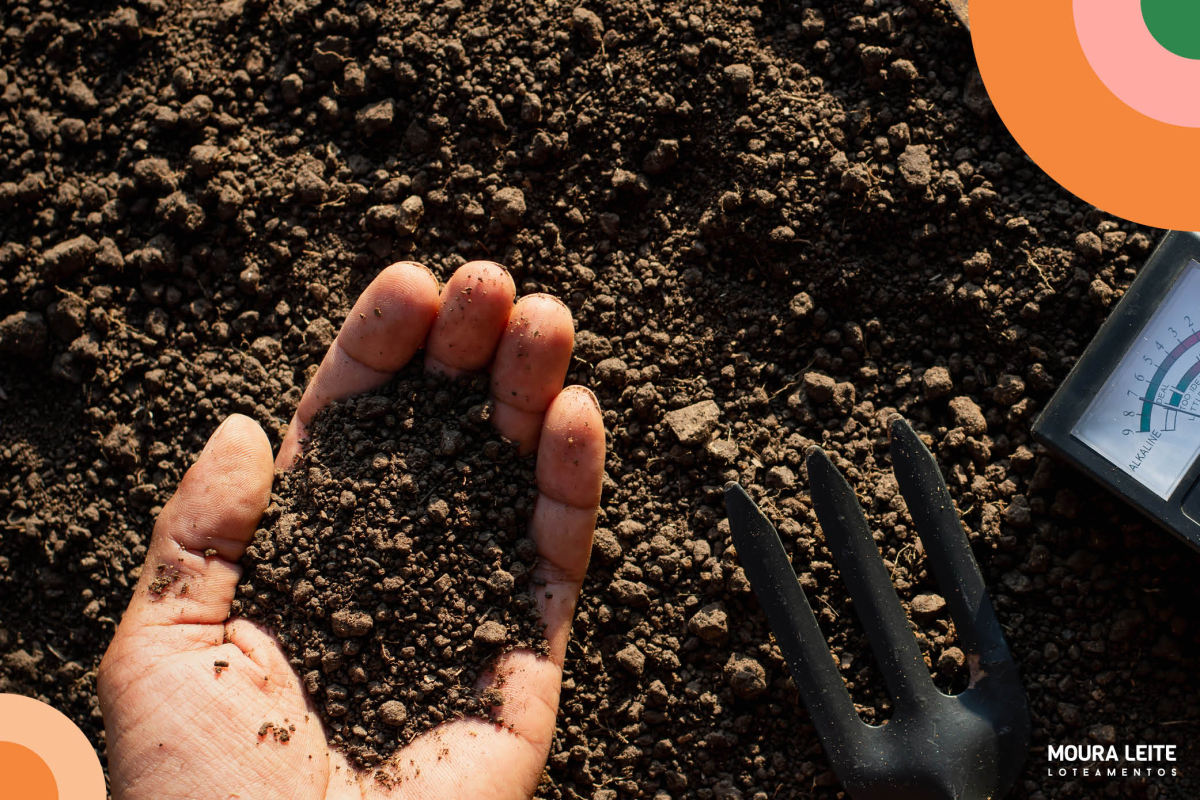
<point>1129,412</point>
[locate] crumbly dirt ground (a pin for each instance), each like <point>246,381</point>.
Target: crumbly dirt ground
<point>393,562</point>
<point>805,213</point>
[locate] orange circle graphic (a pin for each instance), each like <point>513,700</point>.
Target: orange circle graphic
<point>26,775</point>
<point>45,756</point>
<point>1073,126</point>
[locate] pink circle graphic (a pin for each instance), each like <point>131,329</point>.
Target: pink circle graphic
<point>1126,58</point>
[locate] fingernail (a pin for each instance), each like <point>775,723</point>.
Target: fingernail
<point>591,395</point>
<point>436,283</point>
<point>548,296</point>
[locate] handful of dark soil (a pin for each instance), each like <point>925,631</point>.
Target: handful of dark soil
<point>393,562</point>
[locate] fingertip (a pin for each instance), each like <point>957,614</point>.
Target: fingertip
<point>576,404</point>
<point>474,308</point>
<point>391,318</point>
<point>405,280</point>
<point>254,450</point>
<point>571,453</point>
<point>582,395</point>
<point>411,273</point>
<point>223,495</point>
<point>534,353</point>
<point>239,446</point>
<point>548,310</point>
<point>490,271</point>
<point>242,436</point>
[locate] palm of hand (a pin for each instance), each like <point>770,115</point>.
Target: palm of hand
<point>180,724</point>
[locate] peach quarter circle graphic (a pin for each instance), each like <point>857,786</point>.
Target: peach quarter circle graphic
<point>25,774</point>
<point>57,745</point>
<point>1133,65</point>
<point>1073,126</point>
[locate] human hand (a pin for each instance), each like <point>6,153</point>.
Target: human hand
<point>177,728</point>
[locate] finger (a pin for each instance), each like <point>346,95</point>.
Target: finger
<point>387,325</point>
<point>570,464</point>
<point>570,467</point>
<point>191,567</point>
<point>475,307</point>
<point>468,757</point>
<point>530,366</point>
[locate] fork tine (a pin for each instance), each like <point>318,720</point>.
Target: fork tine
<point>946,545</point>
<point>858,559</point>
<point>792,621</point>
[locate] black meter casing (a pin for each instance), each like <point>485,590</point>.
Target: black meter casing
<point>1180,512</point>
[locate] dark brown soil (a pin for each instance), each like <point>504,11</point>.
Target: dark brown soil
<point>393,563</point>
<point>805,213</point>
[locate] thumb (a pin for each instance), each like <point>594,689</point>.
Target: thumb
<point>191,568</point>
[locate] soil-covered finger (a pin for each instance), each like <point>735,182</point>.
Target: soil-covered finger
<point>475,305</point>
<point>530,366</point>
<point>570,462</point>
<point>191,566</point>
<point>570,466</point>
<point>388,323</point>
<point>466,758</point>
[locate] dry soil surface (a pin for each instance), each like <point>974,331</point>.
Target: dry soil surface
<point>776,223</point>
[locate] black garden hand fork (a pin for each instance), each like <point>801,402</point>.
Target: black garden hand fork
<point>969,746</point>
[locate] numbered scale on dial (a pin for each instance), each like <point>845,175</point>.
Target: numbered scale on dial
<point>1129,413</point>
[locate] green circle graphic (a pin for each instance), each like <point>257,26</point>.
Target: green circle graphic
<point>1175,24</point>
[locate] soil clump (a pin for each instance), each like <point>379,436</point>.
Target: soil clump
<point>393,565</point>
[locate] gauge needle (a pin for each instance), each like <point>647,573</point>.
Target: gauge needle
<point>1170,408</point>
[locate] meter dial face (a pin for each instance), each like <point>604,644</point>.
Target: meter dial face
<point>1146,419</point>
